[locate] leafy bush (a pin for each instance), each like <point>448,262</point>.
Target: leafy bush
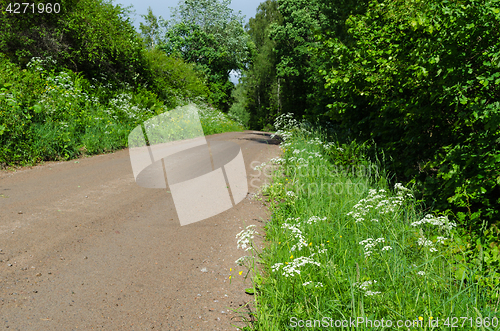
<point>238,112</point>
<point>174,80</point>
<point>422,80</point>
<point>94,37</point>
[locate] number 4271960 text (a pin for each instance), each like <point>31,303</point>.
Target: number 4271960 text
<point>27,7</point>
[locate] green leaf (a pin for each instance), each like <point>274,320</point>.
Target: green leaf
<point>461,273</point>
<point>250,291</point>
<point>37,109</point>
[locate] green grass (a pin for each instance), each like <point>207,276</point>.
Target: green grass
<point>214,121</point>
<point>341,244</point>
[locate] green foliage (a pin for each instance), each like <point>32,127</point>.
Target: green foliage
<point>238,112</point>
<point>214,121</point>
<point>209,34</point>
<point>90,36</point>
<point>76,82</point>
<point>262,86</point>
<point>18,89</point>
<point>422,79</point>
<point>343,244</point>
<point>60,115</point>
<point>174,80</point>
<point>285,69</point>
<point>295,66</point>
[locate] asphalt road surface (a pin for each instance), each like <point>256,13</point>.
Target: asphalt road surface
<point>83,247</point>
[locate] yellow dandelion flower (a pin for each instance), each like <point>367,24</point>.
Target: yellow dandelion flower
<point>240,272</point>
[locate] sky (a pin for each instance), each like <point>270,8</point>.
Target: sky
<point>162,8</point>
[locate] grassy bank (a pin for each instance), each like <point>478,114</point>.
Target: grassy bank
<point>341,245</point>
<point>47,115</point>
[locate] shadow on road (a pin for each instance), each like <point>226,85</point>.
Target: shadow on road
<point>265,139</point>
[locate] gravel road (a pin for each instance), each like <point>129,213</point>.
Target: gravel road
<point>83,247</point>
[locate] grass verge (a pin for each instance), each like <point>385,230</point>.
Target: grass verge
<point>345,251</point>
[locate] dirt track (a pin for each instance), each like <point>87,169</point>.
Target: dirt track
<point>84,247</point>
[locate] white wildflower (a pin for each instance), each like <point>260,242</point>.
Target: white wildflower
<point>241,260</point>
<point>440,240</point>
<point>364,286</point>
<point>245,237</point>
<point>442,222</point>
<point>293,268</point>
<point>422,241</point>
<point>276,266</point>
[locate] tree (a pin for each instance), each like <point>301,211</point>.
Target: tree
<point>262,86</point>
<point>90,36</point>
<point>302,87</point>
<point>208,33</point>
<point>151,30</point>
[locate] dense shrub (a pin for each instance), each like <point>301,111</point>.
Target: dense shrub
<point>94,37</point>
<point>422,79</point>
<point>173,79</point>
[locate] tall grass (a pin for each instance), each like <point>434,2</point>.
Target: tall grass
<point>342,246</point>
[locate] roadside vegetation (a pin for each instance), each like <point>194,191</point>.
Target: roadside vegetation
<point>343,244</point>
<point>419,80</point>
<point>386,201</point>
<point>77,82</point>
<point>412,87</point>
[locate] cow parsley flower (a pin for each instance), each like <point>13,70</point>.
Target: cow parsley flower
<point>441,221</point>
<point>369,245</point>
<point>241,260</point>
<point>293,268</point>
<point>318,284</point>
<point>245,237</point>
